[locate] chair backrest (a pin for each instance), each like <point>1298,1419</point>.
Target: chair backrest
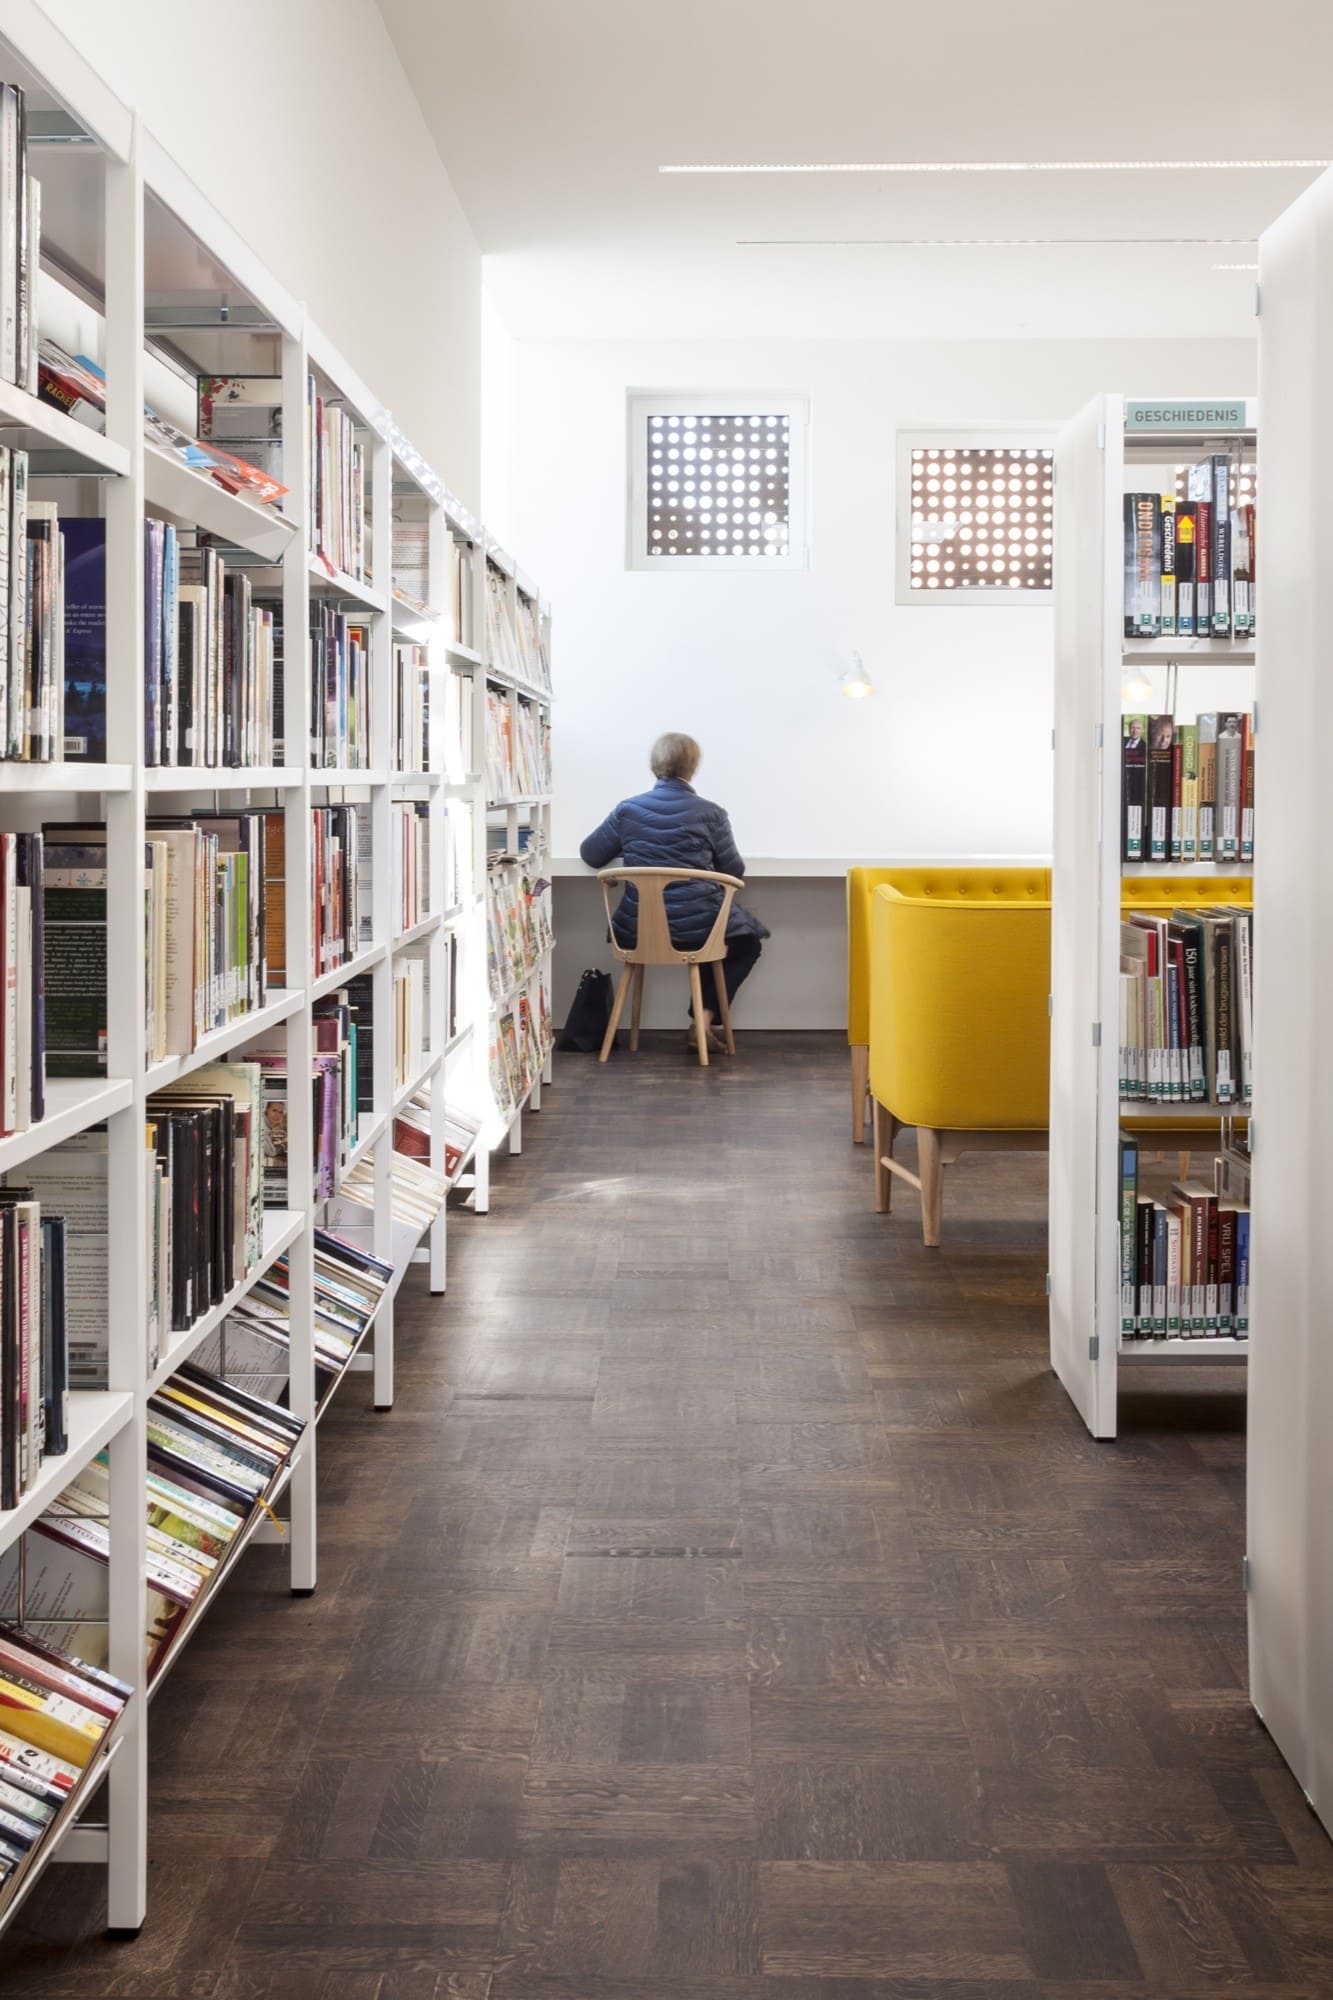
<point>652,941</point>
<point>1004,884</point>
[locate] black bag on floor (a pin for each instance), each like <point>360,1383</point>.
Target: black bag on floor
<point>589,1015</point>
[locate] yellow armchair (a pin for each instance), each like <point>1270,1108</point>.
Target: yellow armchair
<point>987,884</point>
<point>959,1027</point>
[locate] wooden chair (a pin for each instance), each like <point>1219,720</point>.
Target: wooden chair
<point>652,946</point>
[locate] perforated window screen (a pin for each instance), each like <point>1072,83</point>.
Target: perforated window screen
<point>718,485</point>
<point>981,518</point>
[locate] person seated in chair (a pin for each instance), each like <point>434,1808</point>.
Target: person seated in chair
<point>672,827</point>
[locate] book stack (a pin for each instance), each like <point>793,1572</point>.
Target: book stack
<point>409,1014</point>
<point>339,691</point>
<point>411,1134</point>
<point>20,243</point>
<point>534,654</point>
<point>411,561</point>
<point>252,1348</point>
<point>22,982</point>
<point>56,1712</point>
<point>337,486</point>
<point>1184,1259</point>
<point>411,708</point>
<point>1189,555</point>
<point>518,749</point>
<point>210,663</point>
<point>411,863</point>
<point>32,618</point>
<point>518,926</point>
<point>335,885</point>
<point>1187,788</point>
<point>520,1043</point>
<point>215,1453</point>
<point>34,1354</point>
<point>1186,1012</point>
<point>333,1087</point>
<point>205,1135</point>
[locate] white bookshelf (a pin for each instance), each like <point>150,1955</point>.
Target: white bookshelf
<point>168,286</point>
<point>1290,1467</point>
<point>1096,463</point>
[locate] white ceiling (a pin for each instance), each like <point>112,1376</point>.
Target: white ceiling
<point>553,116</point>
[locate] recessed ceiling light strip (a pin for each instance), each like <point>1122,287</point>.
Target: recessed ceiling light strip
<point>996,243</point>
<point>994,167</point>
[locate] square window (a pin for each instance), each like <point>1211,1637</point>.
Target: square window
<point>716,481</point>
<point>975,517</point>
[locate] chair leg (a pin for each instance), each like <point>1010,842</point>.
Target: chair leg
<point>637,1007</point>
<point>700,1031</point>
<point>930,1166</point>
<point>616,1012</point>
<point>883,1132</point>
<point>860,1090</point>
<point>724,1009</point>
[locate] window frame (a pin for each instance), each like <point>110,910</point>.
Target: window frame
<point>1038,435</point>
<point>642,404</point>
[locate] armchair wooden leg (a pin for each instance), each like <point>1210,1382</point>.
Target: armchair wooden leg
<point>860,1090</point>
<point>883,1132</point>
<point>700,1031</point>
<point>616,1011</point>
<point>930,1165</point>
<point>637,1007</point>
<point>724,1009</point>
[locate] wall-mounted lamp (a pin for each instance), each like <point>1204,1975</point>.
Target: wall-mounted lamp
<point>854,681</point>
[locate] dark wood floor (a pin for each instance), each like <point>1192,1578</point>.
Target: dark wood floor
<point>732,1608</point>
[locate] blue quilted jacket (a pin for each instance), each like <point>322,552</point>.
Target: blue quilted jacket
<point>672,827</point>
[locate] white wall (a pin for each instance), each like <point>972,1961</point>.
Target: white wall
<point>296,120</point>
<point>953,753</point>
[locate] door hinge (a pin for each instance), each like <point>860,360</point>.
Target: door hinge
<point>1098,738</point>
<point>1245,1575</point>
<point>1048,1284</point>
<point>1050,1006</point>
<point>1095,1347</point>
<point>1254,718</point>
<point>1258,301</point>
<point>1096,1034</point>
<point>1101,437</point>
<point>1052,739</point>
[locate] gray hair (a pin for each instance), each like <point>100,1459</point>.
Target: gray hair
<point>675,756</point>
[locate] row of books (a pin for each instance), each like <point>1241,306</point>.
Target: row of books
<point>34,1358</point>
<point>410,877</point>
<point>210,653</point>
<point>518,926</point>
<point>252,1347</point>
<point>1184,1259</point>
<point>1190,561</point>
<point>411,708</point>
<point>533,643</point>
<point>337,485</point>
<point>412,1131</point>
<point>22,982</point>
<point>411,560</point>
<point>1186,1007</point>
<point>339,855</point>
<point>520,1044</point>
<point>518,748</point>
<point>340,703</point>
<point>515,641</point>
<point>56,1713</point>
<point>409,1014</point>
<point>1187,788</point>
<point>32,618</point>
<point>20,243</point>
<point>417,1192</point>
<point>459,759</point>
<point>215,1455</point>
<point>205,902</point>
<point>205,1137</point>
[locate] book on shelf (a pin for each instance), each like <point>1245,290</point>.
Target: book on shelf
<point>76,385</point>
<point>253,1342</point>
<point>32,618</point>
<point>1186,1020</point>
<point>56,1711</point>
<point>411,560</point>
<point>518,747</point>
<point>459,759</point>
<point>456,610</point>
<point>411,707</point>
<point>520,1042</point>
<point>20,243</point>
<point>333,1089</point>
<point>337,851</point>
<point>1189,555</point>
<point>518,926</point>
<point>340,703</point>
<point>533,653</point>
<point>244,412</point>
<point>337,485</point>
<point>205,1131</point>
<point>410,851</point>
<point>1187,788</point>
<point>215,1453</point>
<point>412,1132</point>
<point>409,1012</point>
<point>69,1182</point>
<point>1184,1257</point>
<point>22,982</point>
<point>34,1354</point>
<point>416,1198</point>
